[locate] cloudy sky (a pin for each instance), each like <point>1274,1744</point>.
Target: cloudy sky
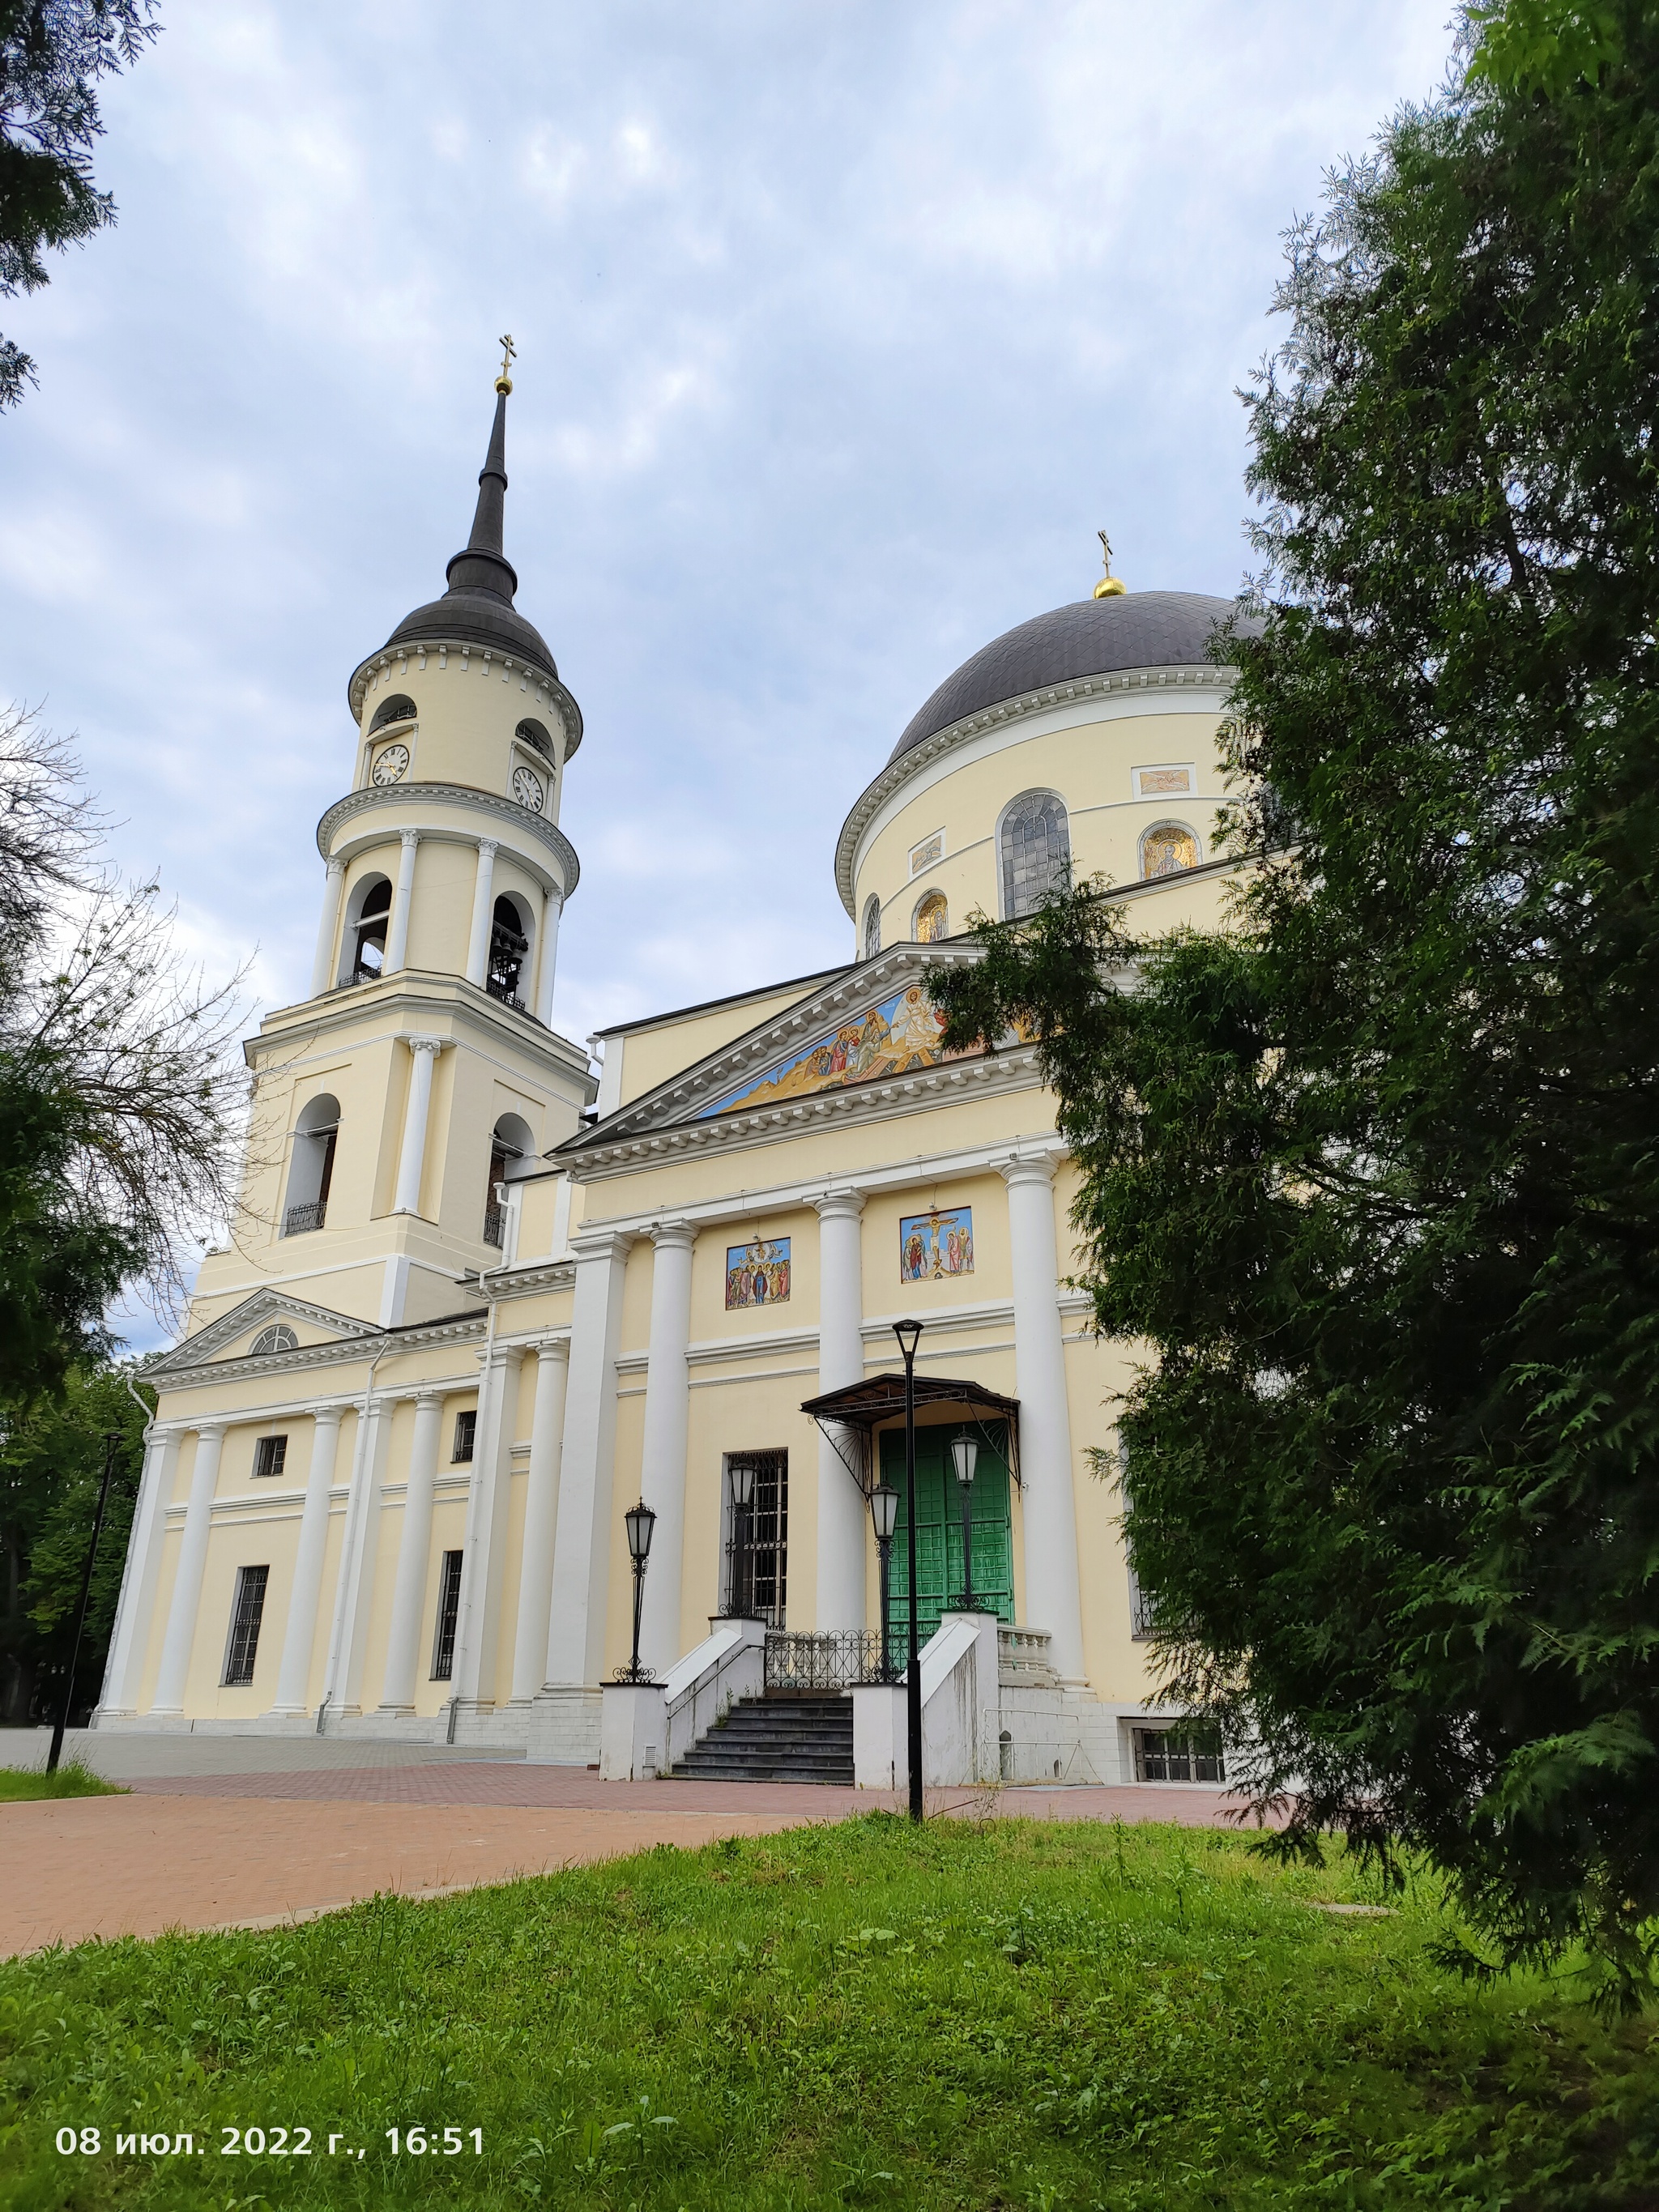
<point>842,328</point>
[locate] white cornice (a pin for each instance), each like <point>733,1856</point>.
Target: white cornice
<point>392,662</point>
<point>424,993</point>
<point>531,825</point>
<point>1156,681</point>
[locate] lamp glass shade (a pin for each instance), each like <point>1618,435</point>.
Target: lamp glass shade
<point>742,1473</point>
<point>883,1511</point>
<point>965,1452</point>
<point>641,1521</point>
<point>908,1332</point>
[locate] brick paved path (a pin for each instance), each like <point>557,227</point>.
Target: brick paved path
<point>207,1851</point>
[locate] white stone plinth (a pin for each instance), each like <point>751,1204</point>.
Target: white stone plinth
<point>633,1730</point>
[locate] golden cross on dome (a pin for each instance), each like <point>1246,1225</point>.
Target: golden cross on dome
<point>509,355</point>
<point>1108,587</point>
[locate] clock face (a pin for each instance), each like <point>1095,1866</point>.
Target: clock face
<point>527,789</point>
<point>389,764</point>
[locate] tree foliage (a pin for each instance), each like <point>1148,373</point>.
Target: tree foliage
<point>1375,1176</point>
<point>52,53</point>
<point>120,1096</point>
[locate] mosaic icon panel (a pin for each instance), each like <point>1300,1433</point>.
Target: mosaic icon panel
<point>934,1245</point>
<point>757,1273</point>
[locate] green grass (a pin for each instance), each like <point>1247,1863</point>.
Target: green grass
<point>1051,2018</point>
<point>19,1786</point>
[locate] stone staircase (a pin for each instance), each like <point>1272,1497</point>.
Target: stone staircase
<point>776,1739</point>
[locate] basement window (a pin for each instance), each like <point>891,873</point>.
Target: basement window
<point>1177,1755</point>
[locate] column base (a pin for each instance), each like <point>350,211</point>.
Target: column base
<point>395,1712</point>
<point>293,1713</point>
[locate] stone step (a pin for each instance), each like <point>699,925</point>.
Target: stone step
<point>777,1740</point>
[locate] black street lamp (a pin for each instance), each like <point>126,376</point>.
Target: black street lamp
<point>112,1438</point>
<point>908,1332</point>
<point>742,1474</point>
<point>640,1521</point>
<point>965,1452</point>
<point>884,1512</point>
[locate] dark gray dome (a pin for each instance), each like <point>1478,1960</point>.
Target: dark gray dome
<point>480,618</point>
<point>1094,637</point>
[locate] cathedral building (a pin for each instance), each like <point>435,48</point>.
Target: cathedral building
<point>477,1303</point>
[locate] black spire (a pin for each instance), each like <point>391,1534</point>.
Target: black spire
<point>483,567</point>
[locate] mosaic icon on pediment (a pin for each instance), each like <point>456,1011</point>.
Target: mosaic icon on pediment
<point>934,1245</point>
<point>900,1034</point>
<point>757,1273</point>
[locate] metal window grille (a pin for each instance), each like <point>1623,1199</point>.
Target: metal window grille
<point>1036,851</point>
<point>757,1550</point>
<point>449,1607</point>
<point>1172,1755</point>
<point>466,1435</point>
<point>245,1616</point>
<point>300,1218</point>
<point>269,1455</point>
<point>494,1225</point>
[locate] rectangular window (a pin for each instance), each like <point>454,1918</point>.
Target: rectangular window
<point>757,1550</point>
<point>449,1607</point>
<point>244,1619</point>
<point>466,1434</point>
<point>1172,1755</point>
<point>269,1455</point>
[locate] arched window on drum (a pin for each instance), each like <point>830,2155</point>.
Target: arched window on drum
<point>511,1154</point>
<point>400,709</point>
<point>368,916</point>
<point>1166,850</point>
<point>311,1166</point>
<point>931,920</point>
<point>508,970</point>
<point>1036,851</point>
<point>872,926</point>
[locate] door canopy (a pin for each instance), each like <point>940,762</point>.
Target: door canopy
<point>849,1417</point>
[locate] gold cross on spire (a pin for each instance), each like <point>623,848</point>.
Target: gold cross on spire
<point>510,354</point>
<point>1108,587</point>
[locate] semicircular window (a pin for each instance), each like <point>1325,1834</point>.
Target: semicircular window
<point>532,734</point>
<point>1167,849</point>
<point>398,708</point>
<point>279,1337</point>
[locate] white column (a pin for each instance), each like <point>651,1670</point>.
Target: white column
<point>477,945</point>
<point>397,943</point>
<point>129,1645</point>
<point>842,1532</point>
<point>552,908</point>
<point>354,1592</point>
<point>414,1548</point>
<point>576,1636</point>
<point>305,1597</point>
<point>1045,1421</point>
<point>484,1544</point>
<point>322,972</point>
<point>541,1511</point>
<point>412,1158</point>
<point>662,1456</point>
<point>171,1681</point>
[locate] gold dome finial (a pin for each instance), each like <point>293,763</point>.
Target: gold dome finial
<point>1108,587</point>
<point>504,382</point>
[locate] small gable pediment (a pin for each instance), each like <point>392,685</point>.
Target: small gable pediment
<point>266,1325</point>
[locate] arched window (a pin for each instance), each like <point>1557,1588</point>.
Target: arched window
<point>399,708</point>
<point>1166,850</point>
<point>510,950</point>
<point>279,1337</point>
<point>311,1169</point>
<point>872,926</point>
<point>369,915</point>
<point>1036,851</point>
<point>531,733</point>
<point>511,1154</point>
<point>931,920</point>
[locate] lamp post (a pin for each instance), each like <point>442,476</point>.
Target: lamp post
<point>640,1521</point>
<point>908,1332</point>
<point>884,1512</point>
<point>112,1438</point>
<point>965,1452</point>
<point>742,1474</point>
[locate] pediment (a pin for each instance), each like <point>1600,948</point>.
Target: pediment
<point>234,1334</point>
<point>871,1024</point>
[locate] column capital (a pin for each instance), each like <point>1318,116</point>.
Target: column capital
<point>336,865</point>
<point>838,1205</point>
<point>214,1429</point>
<point>602,1245</point>
<point>501,1355</point>
<point>432,1397</point>
<point>433,1044</point>
<point>409,839</point>
<point>1033,1167</point>
<point>488,847</point>
<point>675,1235</point>
<point>552,1348</point>
<point>328,1416</point>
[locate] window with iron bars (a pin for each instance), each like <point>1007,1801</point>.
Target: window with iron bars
<point>449,1607</point>
<point>1177,1755</point>
<point>757,1547</point>
<point>248,1611</point>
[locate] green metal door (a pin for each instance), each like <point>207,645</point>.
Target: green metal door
<point>939,1529</point>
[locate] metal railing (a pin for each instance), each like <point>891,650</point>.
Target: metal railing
<point>839,1659</point>
<point>495,1228</point>
<point>298,1218</point>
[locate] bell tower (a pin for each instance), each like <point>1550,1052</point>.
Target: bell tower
<point>395,1106</point>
